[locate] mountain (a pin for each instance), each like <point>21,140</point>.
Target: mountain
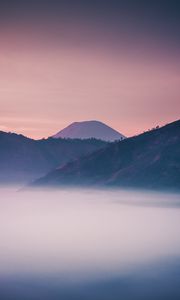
<point>150,160</point>
<point>89,129</point>
<point>23,159</point>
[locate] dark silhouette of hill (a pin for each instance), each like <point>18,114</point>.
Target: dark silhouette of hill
<point>150,160</point>
<point>23,159</point>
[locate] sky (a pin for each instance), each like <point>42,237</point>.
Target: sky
<point>113,61</point>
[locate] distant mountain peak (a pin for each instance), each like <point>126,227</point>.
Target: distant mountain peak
<point>89,129</point>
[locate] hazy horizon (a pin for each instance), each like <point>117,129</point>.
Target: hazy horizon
<point>62,62</point>
<point>5,129</point>
<point>81,218</point>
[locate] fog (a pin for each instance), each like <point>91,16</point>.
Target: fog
<point>89,240</point>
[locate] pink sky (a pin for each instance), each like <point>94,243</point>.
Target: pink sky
<point>46,84</point>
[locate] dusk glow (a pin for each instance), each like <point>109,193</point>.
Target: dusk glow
<point>89,149</point>
<point>61,65</point>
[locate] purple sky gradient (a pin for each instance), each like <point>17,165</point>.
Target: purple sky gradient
<point>57,70</point>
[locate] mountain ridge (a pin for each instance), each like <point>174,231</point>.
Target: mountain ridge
<point>149,160</point>
<point>24,159</point>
